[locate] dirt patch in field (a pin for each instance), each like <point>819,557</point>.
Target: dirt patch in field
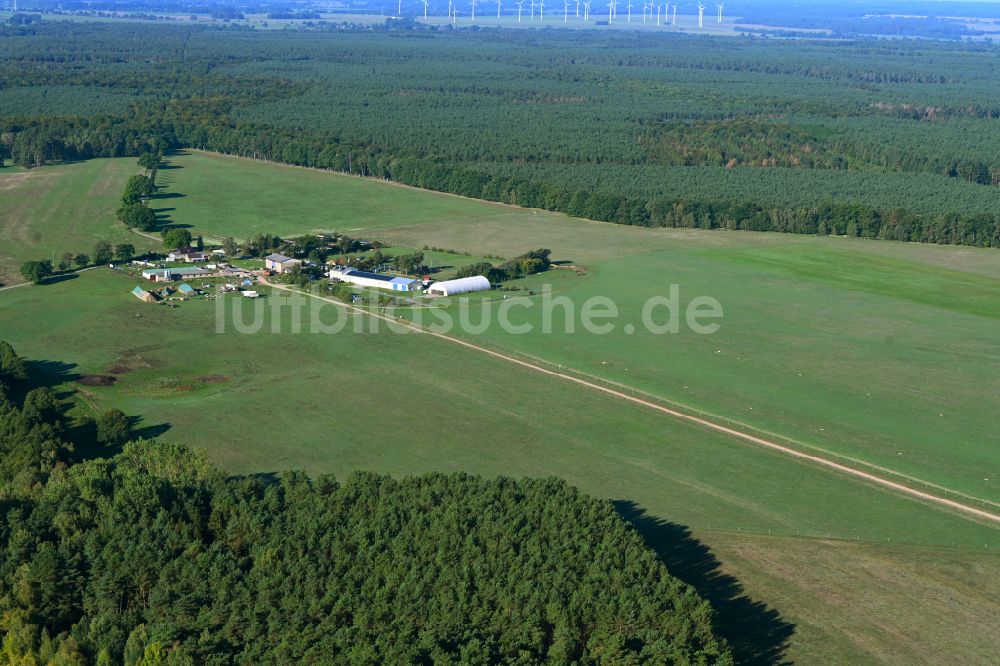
<point>127,362</point>
<point>214,379</point>
<point>8,273</point>
<point>13,180</point>
<point>97,380</point>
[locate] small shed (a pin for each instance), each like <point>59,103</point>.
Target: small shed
<point>235,271</point>
<point>187,290</point>
<point>143,295</point>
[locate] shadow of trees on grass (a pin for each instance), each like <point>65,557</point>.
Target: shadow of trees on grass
<point>81,432</point>
<point>756,633</point>
<point>60,277</point>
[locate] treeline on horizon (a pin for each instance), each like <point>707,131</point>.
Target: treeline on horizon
<point>145,554</point>
<point>306,99</point>
<point>901,18</point>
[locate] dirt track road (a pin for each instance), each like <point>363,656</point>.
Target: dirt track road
<point>702,422</point>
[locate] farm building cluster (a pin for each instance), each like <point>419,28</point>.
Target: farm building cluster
<point>182,291</point>
<point>239,278</point>
<point>393,274</point>
<point>175,273</point>
<point>396,283</point>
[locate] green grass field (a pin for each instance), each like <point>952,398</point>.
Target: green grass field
<point>47,211</point>
<point>407,404</point>
<point>812,327</point>
<point>209,194</point>
<point>887,361</point>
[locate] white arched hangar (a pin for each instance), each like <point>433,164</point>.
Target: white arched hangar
<point>459,286</point>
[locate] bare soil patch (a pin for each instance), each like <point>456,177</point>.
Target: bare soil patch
<point>97,380</point>
<point>214,379</point>
<point>13,180</point>
<point>129,361</point>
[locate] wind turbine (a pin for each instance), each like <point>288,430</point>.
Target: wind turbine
<point>675,14</point>
<point>450,7</point>
<point>701,15</point>
<point>629,5</point>
<point>720,6</point>
<point>533,5</point>
<point>578,8</point>
<point>565,11</point>
<point>658,14</point>
<point>541,10</point>
<point>399,7</point>
<point>426,2</point>
<point>586,11</point>
<point>611,10</point>
<point>645,8</point>
<point>473,4</point>
<point>520,6</point>
<point>498,12</point>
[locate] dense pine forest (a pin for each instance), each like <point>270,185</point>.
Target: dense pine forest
<point>146,554</point>
<point>887,139</point>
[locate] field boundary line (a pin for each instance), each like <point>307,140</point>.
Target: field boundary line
<point>697,420</point>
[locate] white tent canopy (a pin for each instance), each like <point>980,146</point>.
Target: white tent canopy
<point>459,286</point>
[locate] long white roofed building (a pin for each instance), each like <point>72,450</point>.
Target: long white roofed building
<point>365,279</point>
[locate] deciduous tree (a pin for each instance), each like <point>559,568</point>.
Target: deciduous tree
<point>113,427</point>
<point>103,252</point>
<point>124,252</point>
<point>36,271</point>
<point>175,237</point>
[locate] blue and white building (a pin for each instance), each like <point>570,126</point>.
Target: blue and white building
<point>363,279</point>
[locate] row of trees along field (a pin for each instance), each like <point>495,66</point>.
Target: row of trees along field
<point>550,121</point>
<point>133,213</point>
<point>38,271</point>
<point>152,556</point>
